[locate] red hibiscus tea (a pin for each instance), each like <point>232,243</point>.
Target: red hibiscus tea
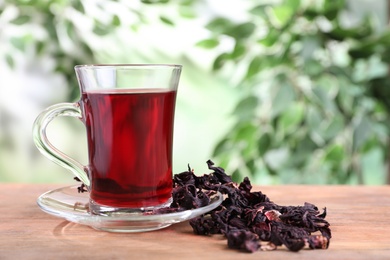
<point>130,146</point>
<point>128,111</point>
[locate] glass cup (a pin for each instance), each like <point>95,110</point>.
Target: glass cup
<point>128,112</point>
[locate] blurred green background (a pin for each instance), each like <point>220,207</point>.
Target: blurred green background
<point>280,91</point>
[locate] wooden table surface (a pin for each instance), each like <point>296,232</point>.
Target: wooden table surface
<point>359,218</point>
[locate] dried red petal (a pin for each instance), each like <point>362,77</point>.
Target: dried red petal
<point>246,217</point>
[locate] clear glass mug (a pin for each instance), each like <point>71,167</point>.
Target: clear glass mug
<point>128,112</point>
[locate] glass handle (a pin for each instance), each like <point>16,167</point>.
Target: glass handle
<point>47,149</point>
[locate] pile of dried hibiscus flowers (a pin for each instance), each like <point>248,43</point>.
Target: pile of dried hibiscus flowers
<point>248,219</point>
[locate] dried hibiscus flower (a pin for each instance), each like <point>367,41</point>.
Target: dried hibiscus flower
<point>248,219</point>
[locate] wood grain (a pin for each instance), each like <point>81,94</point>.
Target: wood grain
<point>359,218</point>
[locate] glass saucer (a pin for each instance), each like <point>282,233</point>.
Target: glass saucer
<point>67,203</point>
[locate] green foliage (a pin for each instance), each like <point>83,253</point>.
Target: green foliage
<point>315,99</point>
<point>316,94</point>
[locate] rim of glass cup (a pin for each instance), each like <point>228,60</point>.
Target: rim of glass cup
<point>140,65</point>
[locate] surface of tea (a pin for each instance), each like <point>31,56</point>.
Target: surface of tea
<point>130,146</point>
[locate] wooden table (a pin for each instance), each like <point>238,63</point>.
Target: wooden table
<point>359,218</point>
